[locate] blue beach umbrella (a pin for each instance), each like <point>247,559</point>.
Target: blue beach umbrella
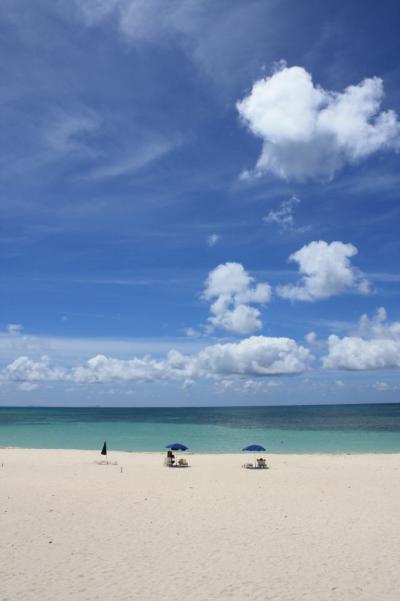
<point>176,446</point>
<point>255,448</point>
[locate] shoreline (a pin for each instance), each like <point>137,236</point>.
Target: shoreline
<point>206,453</point>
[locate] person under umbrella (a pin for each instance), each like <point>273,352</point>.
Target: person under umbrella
<point>170,460</point>
<point>260,462</point>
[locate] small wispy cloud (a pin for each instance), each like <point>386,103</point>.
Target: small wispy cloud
<point>283,217</point>
<point>68,132</point>
<point>213,239</point>
<point>191,332</point>
<point>14,328</point>
<point>82,133</point>
<point>136,159</point>
<point>310,337</point>
<point>382,386</point>
<point>219,38</point>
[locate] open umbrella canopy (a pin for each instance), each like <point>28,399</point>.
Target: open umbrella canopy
<point>176,446</point>
<point>255,448</point>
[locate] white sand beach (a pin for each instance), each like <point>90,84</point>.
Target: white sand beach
<point>315,528</point>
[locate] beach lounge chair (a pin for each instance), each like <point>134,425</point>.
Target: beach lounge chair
<point>183,462</point>
<point>261,463</point>
<point>248,466</point>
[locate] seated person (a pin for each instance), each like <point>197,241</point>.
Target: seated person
<point>171,457</point>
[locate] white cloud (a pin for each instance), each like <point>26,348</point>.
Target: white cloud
<point>232,291</point>
<point>223,386</point>
<point>70,349</point>
<point>385,386</point>
<point>242,319</point>
<point>381,386</point>
<point>202,30</point>
<point>256,356</point>
<point>355,353</point>
<point>240,386</point>
<point>283,217</point>
<point>327,271</point>
<point>93,11</point>
<point>188,383</point>
<point>102,369</point>
<point>310,337</point>
<point>257,386</point>
<point>152,20</point>
<point>25,369</point>
<point>311,133</point>
<point>213,239</point>
<point>378,326</point>
<point>252,357</point>
<point>28,386</point>
<point>376,345</point>
<point>14,328</point>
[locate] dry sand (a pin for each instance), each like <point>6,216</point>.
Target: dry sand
<point>321,527</point>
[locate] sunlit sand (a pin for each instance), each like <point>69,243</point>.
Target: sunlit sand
<point>311,527</point>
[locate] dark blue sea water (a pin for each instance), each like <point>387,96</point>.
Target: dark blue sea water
<point>305,429</point>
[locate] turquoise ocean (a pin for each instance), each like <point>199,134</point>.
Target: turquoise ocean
<point>294,429</point>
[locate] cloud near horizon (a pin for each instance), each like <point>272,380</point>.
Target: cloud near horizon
<point>376,345</point>
<point>311,133</point>
<point>256,356</point>
<point>231,290</point>
<point>326,270</point>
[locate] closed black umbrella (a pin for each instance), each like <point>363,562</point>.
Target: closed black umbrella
<point>104,449</point>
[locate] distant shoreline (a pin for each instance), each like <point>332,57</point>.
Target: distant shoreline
<point>185,407</point>
<point>203,453</point>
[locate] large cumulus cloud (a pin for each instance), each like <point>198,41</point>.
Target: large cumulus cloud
<point>326,271</point>
<point>232,291</point>
<point>310,133</point>
<point>256,356</point>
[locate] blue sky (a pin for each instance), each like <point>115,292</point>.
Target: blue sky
<point>199,202</point>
